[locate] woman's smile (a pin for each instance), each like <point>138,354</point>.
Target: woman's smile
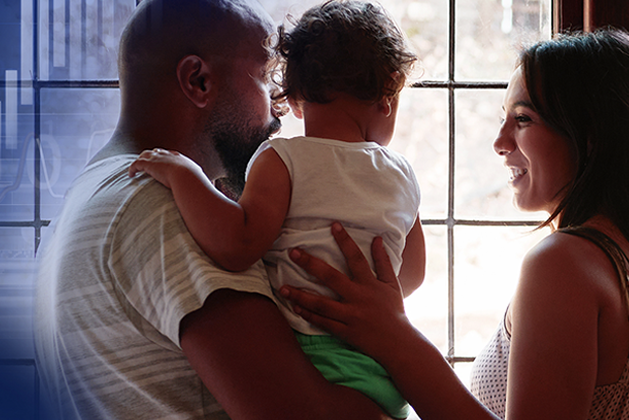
<point>540,161</point>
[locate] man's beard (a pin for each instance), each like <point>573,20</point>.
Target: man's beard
<point>235,141</point>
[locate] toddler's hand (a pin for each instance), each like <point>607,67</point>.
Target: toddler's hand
<point>163,165</point>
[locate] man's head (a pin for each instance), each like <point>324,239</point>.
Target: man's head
<point>193,78</point>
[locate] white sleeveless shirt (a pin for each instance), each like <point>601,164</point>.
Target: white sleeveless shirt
<point>368,188</point>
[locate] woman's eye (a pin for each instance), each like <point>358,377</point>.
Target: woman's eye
<point>522,118</point>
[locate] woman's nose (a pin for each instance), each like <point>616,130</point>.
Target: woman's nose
<point>504,144</point>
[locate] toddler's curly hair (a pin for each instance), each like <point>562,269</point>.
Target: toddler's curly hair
<point>352,47</point>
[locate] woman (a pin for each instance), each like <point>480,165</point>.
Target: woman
<point>564,343</point>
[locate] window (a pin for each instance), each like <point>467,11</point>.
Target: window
<point>59,104</point>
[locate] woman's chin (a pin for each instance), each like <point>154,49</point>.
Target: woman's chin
<point>526,206</point>
<point>523,204</point>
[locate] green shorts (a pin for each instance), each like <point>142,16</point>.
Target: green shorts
<point>343,365</point>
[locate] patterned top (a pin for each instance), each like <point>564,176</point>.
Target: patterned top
<point>489,382</point>
<point>489,372</point>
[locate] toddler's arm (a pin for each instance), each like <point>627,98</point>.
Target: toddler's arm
<point>233,234</point>
<point>413,260</point>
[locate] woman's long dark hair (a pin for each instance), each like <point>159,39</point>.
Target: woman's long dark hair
<point>579,84</point>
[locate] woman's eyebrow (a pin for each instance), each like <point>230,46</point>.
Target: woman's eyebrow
<point>526,104</point>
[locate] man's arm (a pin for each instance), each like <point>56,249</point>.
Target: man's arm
<point>247,356</point>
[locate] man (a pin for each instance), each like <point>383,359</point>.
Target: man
<point>133,320</point>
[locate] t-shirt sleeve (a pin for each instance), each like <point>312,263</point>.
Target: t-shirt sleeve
<point>160,273</point>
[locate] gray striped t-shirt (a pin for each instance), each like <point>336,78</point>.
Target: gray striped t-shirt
<point>117,276</point>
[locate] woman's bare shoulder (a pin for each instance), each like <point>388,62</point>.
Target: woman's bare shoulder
<point>562,262</point>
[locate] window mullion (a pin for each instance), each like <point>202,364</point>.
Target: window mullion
<point>451,166</point>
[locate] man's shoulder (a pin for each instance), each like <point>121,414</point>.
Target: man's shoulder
<point>105,197</point>
<point>108,180</point>
<point>110,165</point>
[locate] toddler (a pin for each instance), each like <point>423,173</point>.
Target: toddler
<point>342,67</point>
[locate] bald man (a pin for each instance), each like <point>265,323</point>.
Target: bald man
<point>133,321</point>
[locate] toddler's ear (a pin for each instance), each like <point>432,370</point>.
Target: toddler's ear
<point>385,105</point>
<point>295,106</point>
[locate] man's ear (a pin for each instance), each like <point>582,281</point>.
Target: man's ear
<point>193,74</point>
<point>295,106</point>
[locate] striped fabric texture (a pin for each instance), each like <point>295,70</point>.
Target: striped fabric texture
<point>116,277</point>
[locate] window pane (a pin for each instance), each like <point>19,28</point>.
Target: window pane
<point>486,269</point>
<point>422,137</point>
<point>16,170</point>
<point>16,246</point>
<point>426,25</point>
<point>279,9</point>
<point>82,44</point>
<point>17,392</point>
<point>489,33</point>
<point>76,123</point>
<point>427,308</point>
<point>17,268</point>
<point>291,127</point>
<point>464,371</point>
<point>479,173</point>
<point>481,190</point>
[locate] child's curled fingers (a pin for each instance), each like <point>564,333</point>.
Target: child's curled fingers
<point>143,161</point>
<point>163,165</point>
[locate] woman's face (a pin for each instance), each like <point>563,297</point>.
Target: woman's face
<point>541,162</point>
